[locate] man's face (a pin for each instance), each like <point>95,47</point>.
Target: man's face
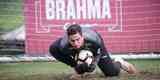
<point>76,40</point>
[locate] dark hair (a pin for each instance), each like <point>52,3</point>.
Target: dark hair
<point>73,29</point>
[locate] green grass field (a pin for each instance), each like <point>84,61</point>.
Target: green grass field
<point>11,14</point>
<point>149,70</point>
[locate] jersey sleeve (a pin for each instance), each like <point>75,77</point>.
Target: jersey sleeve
<point>92,35</point>
<point>97,40</point>
<point>57,52</point>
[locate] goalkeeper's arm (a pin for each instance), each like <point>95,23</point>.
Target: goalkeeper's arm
<point>92,66</point>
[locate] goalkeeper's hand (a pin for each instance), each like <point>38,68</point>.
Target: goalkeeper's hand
<point>91,67</point>
<point>84,67</point>
<point>81,68</point>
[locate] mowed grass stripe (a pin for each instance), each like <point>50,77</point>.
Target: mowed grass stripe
<point>59,71</point>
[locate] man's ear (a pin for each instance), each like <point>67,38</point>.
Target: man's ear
<point>83,37</point>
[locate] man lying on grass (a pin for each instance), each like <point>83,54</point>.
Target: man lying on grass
<point>82,49</point>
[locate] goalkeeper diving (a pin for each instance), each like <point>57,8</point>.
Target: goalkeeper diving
<point>82,49</point>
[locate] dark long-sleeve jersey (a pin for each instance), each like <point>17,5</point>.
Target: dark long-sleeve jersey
<point>62,50</point>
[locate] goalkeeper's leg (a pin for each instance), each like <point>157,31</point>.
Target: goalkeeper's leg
<point>108,67</point>
<point>112,68</point>
<point>126,66</point>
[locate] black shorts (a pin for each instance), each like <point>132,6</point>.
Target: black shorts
<point>108,67</point>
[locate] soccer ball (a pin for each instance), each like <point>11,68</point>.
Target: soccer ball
<point>85,56</point>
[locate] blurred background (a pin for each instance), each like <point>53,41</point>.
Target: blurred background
<point>133,33</point>
<point>132,29</point>
<point>11,27</point>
